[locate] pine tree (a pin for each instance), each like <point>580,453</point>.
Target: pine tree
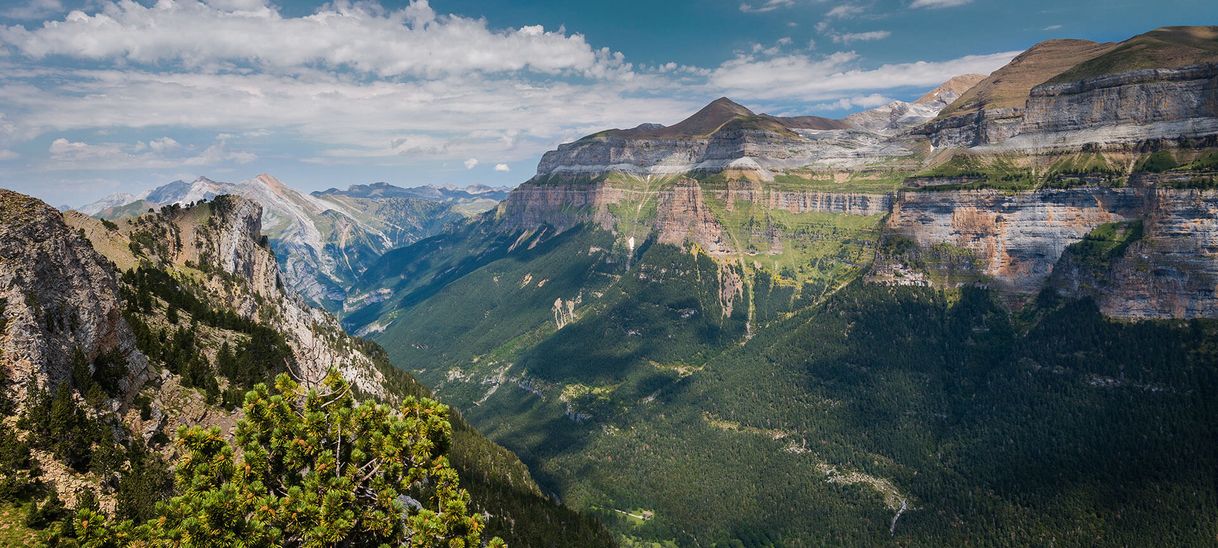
<point>315,468</point>
<point>69,431</point>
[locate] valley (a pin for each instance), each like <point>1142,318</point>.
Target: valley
<point>985,316</point>
<point>736,320</point>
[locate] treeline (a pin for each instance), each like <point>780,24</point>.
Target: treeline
<point>259,354</point>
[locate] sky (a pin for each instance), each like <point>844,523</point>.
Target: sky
<point>105,96</point>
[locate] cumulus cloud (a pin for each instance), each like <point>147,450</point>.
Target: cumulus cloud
<point>938,3</point>
<point>803,77</point>
<point>502,168</point>
<point>360,36</point>
<point>470,163</point>
<point>451,118</point>
<point>851,37</point>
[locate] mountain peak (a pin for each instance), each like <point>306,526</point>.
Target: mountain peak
<point>711,117</point>
<point>950,90</point>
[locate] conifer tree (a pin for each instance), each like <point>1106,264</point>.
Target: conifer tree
<point>315,468</point>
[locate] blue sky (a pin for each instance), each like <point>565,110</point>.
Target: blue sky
<point>102,96</point>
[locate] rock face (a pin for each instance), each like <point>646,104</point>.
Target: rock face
<point>681,214</point>
<point>236,225</point>
<point>1017,243</point>
<point>229,239</point>
<point>58,295</point>
<point>1023,242</point>
<point>223,238</point>
<point>1014,239</point>
<point>1168,270</point>
<point>1127,107</point>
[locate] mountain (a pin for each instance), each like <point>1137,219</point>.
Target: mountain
<point>386,190</point>
<point>323,240</point>
<point>899,116</point>
<point>164,320</point>
<point>734,331</point>
<point>1060,92</point>
<point>109,202</point>
<point>722,136</point>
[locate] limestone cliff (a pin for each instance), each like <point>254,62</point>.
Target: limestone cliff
<point>672,208</point>
<point>1012,240</point>
<point>1162,265</point>
<point>57,296</point>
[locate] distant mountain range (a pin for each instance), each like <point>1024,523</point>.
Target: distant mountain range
<point>325,239</point>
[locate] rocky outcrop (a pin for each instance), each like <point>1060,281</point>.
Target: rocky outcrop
<point>58,296</point>
<point>993,125</point>
<point>233,239</point>
<point>324,240</point>
<point>223,238</point>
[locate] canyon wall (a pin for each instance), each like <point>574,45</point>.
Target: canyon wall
<point>1168,270</point>
<point>1014,239</point>
<point>1014,242</point>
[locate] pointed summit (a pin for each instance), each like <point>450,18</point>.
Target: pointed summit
<point>711,117</point>
<point>702,123</point>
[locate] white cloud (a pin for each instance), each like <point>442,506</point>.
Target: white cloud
<point>411,85</point>
<point>502,168</point>
<point>844,11</point>
<point>450,118</point>
<point>470,163</point>
<point>860,101</point>
<point>1052,27</point>
<point>156,154</point>
<point>802,77</point>
<point>6,154</point>
<point>851,37</point>
<point>34,9</point>
<point>768,5</point>
<point>360,36</point>
<point>938,3</point>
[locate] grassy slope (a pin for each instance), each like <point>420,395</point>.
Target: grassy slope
<point>1008,87</point>
<point>1168,47</point>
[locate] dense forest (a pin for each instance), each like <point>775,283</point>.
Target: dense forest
<point>873,414</point>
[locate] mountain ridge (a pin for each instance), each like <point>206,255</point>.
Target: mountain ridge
<point>326,238</point>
